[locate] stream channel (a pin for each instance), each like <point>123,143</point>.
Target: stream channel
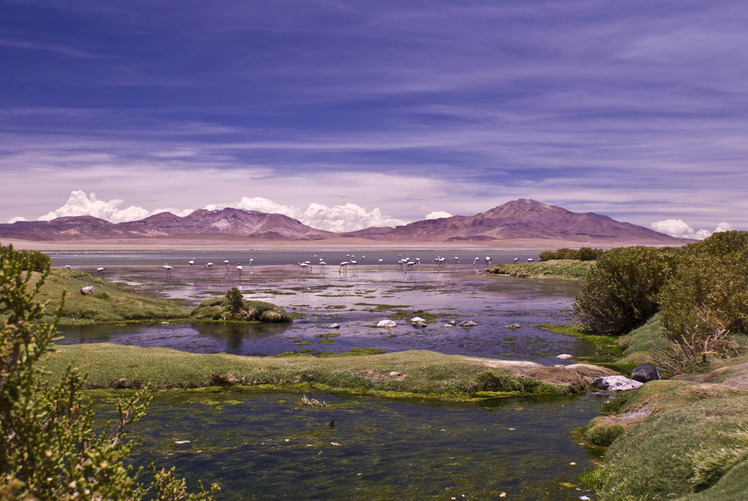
<point>268,445</point>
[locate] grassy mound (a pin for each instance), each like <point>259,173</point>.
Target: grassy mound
<point>108,304</point>
<point>217,309</point>
<point>402,374</point>
<point>693,444</point>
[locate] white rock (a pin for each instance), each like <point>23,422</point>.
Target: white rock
<point>616,383</point>
<point>564,356</point>
<point>417,319</point>
<point>386,323</point>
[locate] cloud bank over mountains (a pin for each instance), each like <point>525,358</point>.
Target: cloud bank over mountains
<point>339,218</point>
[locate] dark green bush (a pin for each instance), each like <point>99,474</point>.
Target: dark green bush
<point>621,290</point>
<point>37,261</point>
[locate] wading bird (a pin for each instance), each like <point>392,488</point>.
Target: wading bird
<point>168,269</point>
<point>343,266</point>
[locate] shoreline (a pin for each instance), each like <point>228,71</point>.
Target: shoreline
<point>227,243</point>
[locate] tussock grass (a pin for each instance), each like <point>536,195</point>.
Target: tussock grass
<point>411,372</point>
<point>559,268</point>
<point>694,445</point>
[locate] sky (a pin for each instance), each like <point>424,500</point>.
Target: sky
<point>347,115</point>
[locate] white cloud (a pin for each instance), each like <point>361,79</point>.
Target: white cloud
<point>15,219</point>
<point>680,229</point>
<point>339,218</point>
<point>342,218</point>
<point>438,215</point>
<point>80,204</point>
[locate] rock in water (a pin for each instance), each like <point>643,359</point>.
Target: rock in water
<point>386,323</point>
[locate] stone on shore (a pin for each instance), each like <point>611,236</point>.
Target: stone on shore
<point>616,383</point>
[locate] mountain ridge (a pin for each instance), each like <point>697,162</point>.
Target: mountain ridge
<point>515,221</point>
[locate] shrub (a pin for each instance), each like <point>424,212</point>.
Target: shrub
<point>706,299</point>
<point>35,260</point>
<point>620,292</point>
<point>49,448</point>
<point>235,301</point>
<point>582,254</point>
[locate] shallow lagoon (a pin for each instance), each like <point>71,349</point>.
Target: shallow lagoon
<point>348,305</point>
<point>267,445</point>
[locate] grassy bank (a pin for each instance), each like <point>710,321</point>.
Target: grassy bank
<point>685,438</point>
<point>108,304</point>
<point>403,373</point>
<point>561,268</point>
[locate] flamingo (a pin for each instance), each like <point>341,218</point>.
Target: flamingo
<point>99,271</point>
<point>516,260</point>
<point>191,262</point>
<point>305,266</point>
<point>168,269</point>
<point>440,261</point>
<point>343,266</point>
<point>457,259</point>
<point>475,261</point>
<point>530,260</point>
<point>239,268</point>
<point>380,261</point>
<point>226,262</point>
<point>488,260</point>
<point>209,266</point>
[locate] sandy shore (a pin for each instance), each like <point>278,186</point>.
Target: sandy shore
<point>206,243</point>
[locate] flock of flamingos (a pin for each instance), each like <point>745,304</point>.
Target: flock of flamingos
<point>306,266</point>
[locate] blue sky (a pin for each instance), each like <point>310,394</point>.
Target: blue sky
<point>353,114</point>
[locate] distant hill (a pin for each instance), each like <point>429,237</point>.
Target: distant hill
<point>227,222</point>
<point>524,219</point>
<point>521,222</point>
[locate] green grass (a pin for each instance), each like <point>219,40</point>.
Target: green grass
<point>693,446</point>
<point>108,304</point>
<point>561,268</point>
<point>411,372</point>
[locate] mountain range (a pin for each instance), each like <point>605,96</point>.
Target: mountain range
<point>520,223</point>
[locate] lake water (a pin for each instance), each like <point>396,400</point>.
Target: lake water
<point>267,445</point>
<point>510,313</point>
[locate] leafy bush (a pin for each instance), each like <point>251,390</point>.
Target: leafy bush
<point>49,446</point>
<point>621,290</point>
<point>706,299</point>
<point>36,261</point>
